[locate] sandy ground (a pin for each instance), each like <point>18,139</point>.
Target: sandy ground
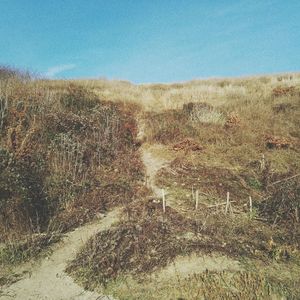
<point>153,164</point>
<point>194,264</point>
<point>48,280</point>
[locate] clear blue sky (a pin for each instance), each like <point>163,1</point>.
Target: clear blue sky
<point>150,40</point>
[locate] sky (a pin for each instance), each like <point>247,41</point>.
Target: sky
<point>150,40</point>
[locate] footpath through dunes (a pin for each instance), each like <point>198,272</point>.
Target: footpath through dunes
<point>47,279</point>
<point>183,266</point>
<point>152,162</point>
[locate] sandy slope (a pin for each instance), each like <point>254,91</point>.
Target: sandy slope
<point>48,280</point>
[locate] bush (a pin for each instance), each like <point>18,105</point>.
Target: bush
<point>24,205</point>
<point>77,98</point>
<point>58,144</point>
<point>203,113</point>
<point>283,204</point>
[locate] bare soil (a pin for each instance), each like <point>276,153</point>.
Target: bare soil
<point>48,280</point>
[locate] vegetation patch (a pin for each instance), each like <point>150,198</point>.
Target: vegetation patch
<point>16,252</point>
<point>187,145</point>
<point>273,142</point>
<point>65,156</point>
<point>143,242</point>
<point>208,285</point>
<point>147,240</point>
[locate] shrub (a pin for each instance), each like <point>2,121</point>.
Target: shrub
<point>78,98</point>
<point>282,204</point>
<point>3,112</point>
<point>23,201</point>
<point>203,112</point>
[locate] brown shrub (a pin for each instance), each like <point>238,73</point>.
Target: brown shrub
<point>273,142</point>
<point>282,205</point>
<point>145,241</point>
<point>187,145</point>
<point>232,121</point>
<point>284,91</point>
<point>192,107</point>
<point>282,107</point>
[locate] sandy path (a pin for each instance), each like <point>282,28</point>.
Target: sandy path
<point>152,164</point>
<point>48,280</point>
<point>182,265</point>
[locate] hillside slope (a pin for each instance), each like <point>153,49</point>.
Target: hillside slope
<point>72,150</point>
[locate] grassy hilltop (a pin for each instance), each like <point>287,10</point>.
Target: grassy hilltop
<point>72,150</point>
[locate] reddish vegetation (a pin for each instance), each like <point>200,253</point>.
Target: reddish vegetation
<point>188,145</point>
<point>284,91</point>
<point>273,142</point>
<point>233,120</point>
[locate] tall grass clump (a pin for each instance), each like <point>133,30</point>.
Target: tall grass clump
<point>203,113</point>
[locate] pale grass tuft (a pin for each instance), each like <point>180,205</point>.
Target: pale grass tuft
<point>208,116</point>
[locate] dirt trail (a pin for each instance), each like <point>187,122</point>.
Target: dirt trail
<point>183,265</point>
<point>48,280</point>
<point>152,164</point>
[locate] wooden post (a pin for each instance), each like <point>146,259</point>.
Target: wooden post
<point>227,203</point>
<point>263,162</point>
<point>250,204</point>
<point>163,200</point>
<point>197,199</point>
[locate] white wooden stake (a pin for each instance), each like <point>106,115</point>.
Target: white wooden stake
<point>197,198</point>
<point>163,200</point>
<point>250,204</point>
<point>227,203</point>
<point>263,162</point>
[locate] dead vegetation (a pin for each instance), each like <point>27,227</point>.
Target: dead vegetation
<point>232,121</point>
<point>147,240</point>
<point>187,145</point>
<point>15,252</point>
<point>69,151</point>
<point>143,242</point>
<point>274,142</point>
<point>284,91</point>
<point>282,206</point>
<point>216,158</point>
<point>208,285</point>
<point>65,156</point>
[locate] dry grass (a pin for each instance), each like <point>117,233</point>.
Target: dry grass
<point>65,155</point>
<point>83,158</point>
<point>209,285</point>
<point>216,92</point>
<point>230,122</point>
<point>146,240</point>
